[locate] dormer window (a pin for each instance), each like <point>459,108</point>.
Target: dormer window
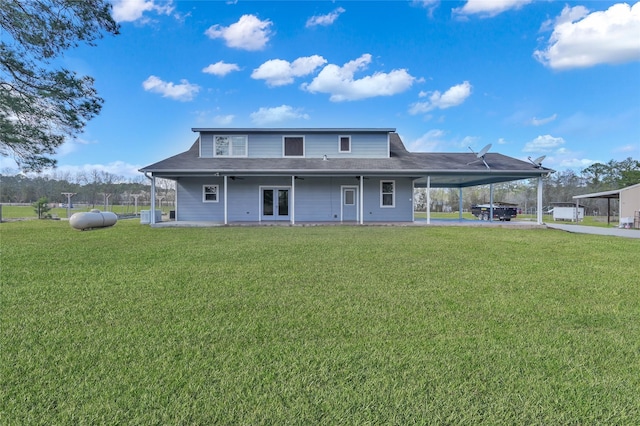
<point>230,146</point>
<point>345,144</point>
<point>294,146</point>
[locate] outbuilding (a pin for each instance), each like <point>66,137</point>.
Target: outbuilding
<point>568,211</point>
<point>629,204</point>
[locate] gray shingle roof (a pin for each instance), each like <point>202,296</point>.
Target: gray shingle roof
<point>445,168</point>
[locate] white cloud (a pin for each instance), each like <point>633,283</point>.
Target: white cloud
<point>223,120</point>
<point>430,5</point>
<point>340,83</point>
<point>220,68</point>
<point>567,160</point>
<point>580,39</point>
<point>184,91</point>
<point>545,143</point>
<point>133,10</point>
<point>630,148</point>
<point>540,121</point>
<point>489,8</point>
<point>425,3</point>
<point>454,96</point>
<point>429,142</point>
<point>249,33</point>
<point>278,72</point>
<point>117,168</point>
<point>277,114</point>
<point>71,145</point>
<point>325,20</point>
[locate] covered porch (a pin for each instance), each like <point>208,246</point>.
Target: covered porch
<point>450,179</point>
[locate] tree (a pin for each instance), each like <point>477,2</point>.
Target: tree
<point>596,174</point>
<point>42,104</point>
<point>628,172</point>
<point>41,207</point>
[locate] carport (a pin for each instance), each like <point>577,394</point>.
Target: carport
<point>609,195</point>
<point>462,170</point>
<point>628,199</point>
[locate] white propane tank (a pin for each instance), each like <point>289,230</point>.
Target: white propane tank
<point>93,219</point>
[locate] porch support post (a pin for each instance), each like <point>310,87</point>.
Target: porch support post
<point>225,201</point>
<point>428,200</point>
<point>490,202</point>
<point>460,204</point>
<point>608,211</point>
<point>361,200</point>
<point>152,219</point>
<point>577,215</point>
<point>413,201</point>
<point>539,200</point>
<point>293,200</point>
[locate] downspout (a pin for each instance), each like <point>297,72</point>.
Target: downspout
<point>293,200</point>
<point>413,200</point>
<point>460,205</point>
<point>226,221</point>
<point>428,200</point>
<point>361,200</point>
<point>540,200</point>
<point>152,218</point>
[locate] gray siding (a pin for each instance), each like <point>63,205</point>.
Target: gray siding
<point>206,145</point>
<point>316,199</point>
<point>244,196</point>
<point>319,199</point>
<point>189,200</point>
<point>403,210</point>
<point>265,146</point>
<point>362,146</point>
<point>316,145</point>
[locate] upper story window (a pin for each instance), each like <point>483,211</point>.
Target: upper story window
<point>294,146</point>
<point>230,146</point>
<point>387,193</point>
<point>345,144</point>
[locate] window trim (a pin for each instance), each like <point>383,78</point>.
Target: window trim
<point>393,194</point>
<point>284,138</point>
<point>204,193</point>
<point>231,154</point>
<point>340,144</point>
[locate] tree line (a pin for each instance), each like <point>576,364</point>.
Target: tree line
<point>94,188</point>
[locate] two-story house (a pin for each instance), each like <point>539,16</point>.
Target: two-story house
<point>297,175</point>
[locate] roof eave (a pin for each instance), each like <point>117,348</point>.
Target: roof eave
<point>290,130</point>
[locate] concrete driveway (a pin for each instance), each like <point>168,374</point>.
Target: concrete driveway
<point>594,230</point>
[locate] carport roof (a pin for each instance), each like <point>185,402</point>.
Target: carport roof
<point>445,170</point>
<point>614,193</point>
<point>606,194</point>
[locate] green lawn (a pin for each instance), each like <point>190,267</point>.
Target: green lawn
<point>27,212</point>
<point>317,325</point>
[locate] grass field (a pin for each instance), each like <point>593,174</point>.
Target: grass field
<point>317,325</point>
<point>27,212</point>
<point>22,212</point>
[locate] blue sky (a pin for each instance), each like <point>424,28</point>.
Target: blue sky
<point>531,78</point>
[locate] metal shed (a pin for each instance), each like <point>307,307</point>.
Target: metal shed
<point>629,199</point>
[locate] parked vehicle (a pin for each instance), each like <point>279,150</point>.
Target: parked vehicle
<point>502,212</point>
